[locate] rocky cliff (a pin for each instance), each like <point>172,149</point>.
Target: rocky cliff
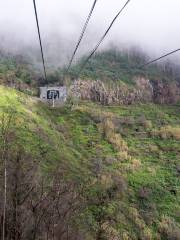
<point>143,91</point>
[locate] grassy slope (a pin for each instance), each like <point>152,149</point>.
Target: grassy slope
<point>74,141</point>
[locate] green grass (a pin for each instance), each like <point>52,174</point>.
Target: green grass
<point>71,140</point>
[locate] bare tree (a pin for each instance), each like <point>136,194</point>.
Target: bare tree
<point>6,124</point>
<point>35,205</point>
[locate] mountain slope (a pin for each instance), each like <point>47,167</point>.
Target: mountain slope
<point>115,65</point>
<point>94,172</point>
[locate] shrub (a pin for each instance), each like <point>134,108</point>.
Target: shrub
<point>169,229</point>
<point>136,164</point>
<point>167,132</point>
<point>146,235</point>
<point>113,138</point>
<point>147,124</point>
<point>117,142</point>
<point>110,232</point>
<point>144,122</point>
<point>110,160</point>
<point>72,102</point>
<point>122,155</point>
<point>125,236</point>
<point>144,192</point>
<point>134,215</point>
<point>153,148</point>
<point>129,121</point>
<point>120,183</point>
<point>170,132</point>
<point>106,180</point>
<point>108,127</point>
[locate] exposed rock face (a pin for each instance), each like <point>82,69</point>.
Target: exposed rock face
<point>168,93</point>
<point>143,91</point>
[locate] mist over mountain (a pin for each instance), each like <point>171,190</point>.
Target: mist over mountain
<point>149,25</point>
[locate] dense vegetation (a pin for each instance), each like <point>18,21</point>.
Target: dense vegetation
<point>108,66</point>
<point>15,69</point>
<point>19,72</point>
<point>89,172</point>
<point>114,65</point>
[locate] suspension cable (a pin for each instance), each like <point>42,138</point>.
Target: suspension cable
<point>157,59</point>
<point>82,34</point>
<point>40,41</point>
<point>103,37</point>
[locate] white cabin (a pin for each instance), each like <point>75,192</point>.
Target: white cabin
<point>55,94</point>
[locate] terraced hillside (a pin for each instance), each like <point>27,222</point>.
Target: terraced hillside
<point>89,172</point>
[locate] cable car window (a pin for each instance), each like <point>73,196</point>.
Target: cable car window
<point>52,94</point>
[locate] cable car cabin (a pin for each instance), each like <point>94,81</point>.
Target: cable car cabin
<point>57,95</point>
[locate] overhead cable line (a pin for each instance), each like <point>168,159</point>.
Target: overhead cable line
<point>40,41</point>
<point>103,37</point>
<point>157,59</point>
<point>82,34</point>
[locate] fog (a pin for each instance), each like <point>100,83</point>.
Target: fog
<point>151,25</point>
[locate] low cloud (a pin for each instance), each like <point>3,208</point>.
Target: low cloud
<point>151,25</point>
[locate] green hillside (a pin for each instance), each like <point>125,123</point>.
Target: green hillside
<point>115,65</point>
<point>90,172</point>
<point>111,66</point>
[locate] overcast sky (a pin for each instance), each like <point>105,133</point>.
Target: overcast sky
<point>153,25</point>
